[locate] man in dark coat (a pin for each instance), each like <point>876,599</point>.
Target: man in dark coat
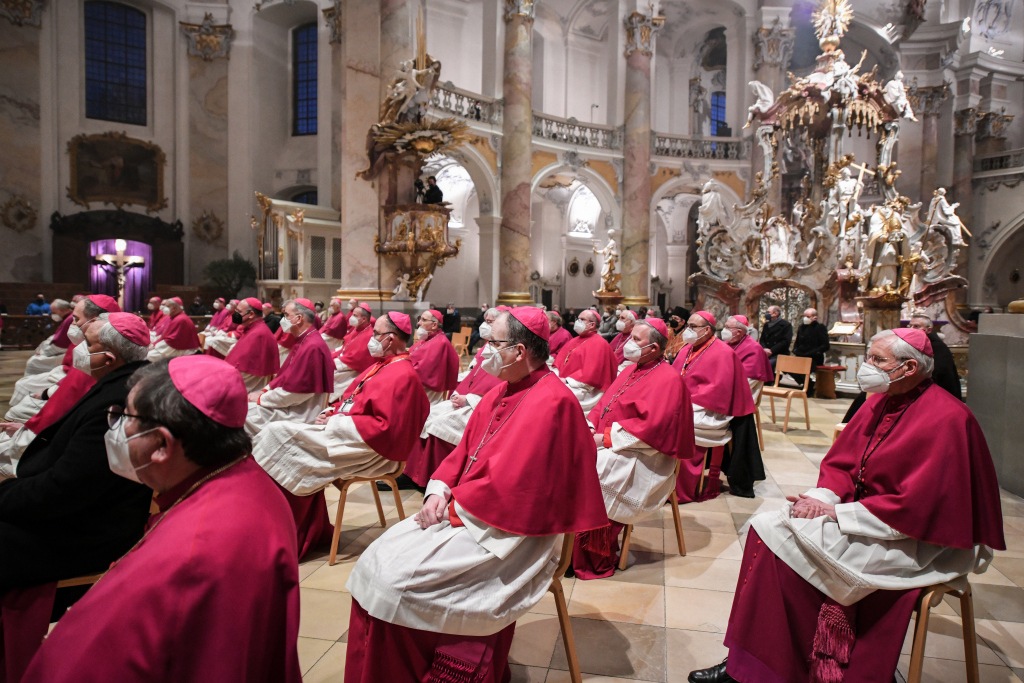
<point>67,514</point>
<point>776,334</point>
<point>944,374</point>
<point>811,342</point>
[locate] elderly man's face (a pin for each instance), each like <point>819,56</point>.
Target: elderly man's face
<point>362,317</point>
<point>920,324</point>
<point>627,321</point>
<point>427,322</point>
<point>79,315</point>
<point>100,357</point>
<point>738,331</point>
<point>552,325</point>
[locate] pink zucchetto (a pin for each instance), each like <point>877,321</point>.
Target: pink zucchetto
<point>365,306</point>
<point>254,303</point>
<point>220,299</point>
<point>107,303</point>
<point>131,327</point>
<point>306,302</point>
<point>916,338</point>
<point>657,323</point>
<point>211,385</point>
<point>436,315</point>
<point>707,316</point>
<point>742,320</point>
<point>177,300</point>
<point>503,309</point>
<point>401,320</point>
<point>535,320</point>
<point>268,307</point>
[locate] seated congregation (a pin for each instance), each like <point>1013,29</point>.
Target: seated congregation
<point>148,463</point>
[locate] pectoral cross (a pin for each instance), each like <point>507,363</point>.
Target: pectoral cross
<point>472,459</point>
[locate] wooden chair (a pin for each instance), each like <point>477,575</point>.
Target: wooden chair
<point>86,580</point>
<point>627,533</point>
<point>840,426</point>
<point>563,609</point>
<point>931,597</point>
<point>795,365</point>
<point>461,343</point>
<point>344,484</point>
<point>466,332</point>
<point>757,419</point>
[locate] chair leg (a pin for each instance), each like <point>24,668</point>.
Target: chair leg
<point>970,636</point>
<point>771,402</point>
<point>807,413</point>
<point>337,524</point>
<point>627,536</point>
<point>376,499</point>
<point>567,635</point>
<point>393,483</point>
<point>789,404</point>
<point>677,519</point>
<point>920,636</point>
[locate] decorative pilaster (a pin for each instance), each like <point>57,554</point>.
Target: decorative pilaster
<point>965,126</point>
<point>516,150</point>
<point>22,12</point>
<point>636,182</point>
<point>927,103</point>
<point>773,46</point>
<point>208,40</point>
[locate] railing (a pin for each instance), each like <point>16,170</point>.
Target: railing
<point>1010,160</point>
<point>572,132</point>
<point>448,99</point>
<point>465,104</point>
<point>679,147</point>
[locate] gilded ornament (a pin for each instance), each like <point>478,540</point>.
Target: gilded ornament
<point>208,40</point>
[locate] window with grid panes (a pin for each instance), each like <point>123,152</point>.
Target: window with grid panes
<point>115,63</point>
<point>304,80</point>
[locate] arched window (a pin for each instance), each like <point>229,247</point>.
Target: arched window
<point>306,197</point>
<point>718,125</point>
<point>115,63</point>
<point>304,55</point>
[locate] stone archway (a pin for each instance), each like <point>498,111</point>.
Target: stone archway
<point>791,296</point>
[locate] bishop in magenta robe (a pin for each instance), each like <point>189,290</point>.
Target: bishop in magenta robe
<point>353,356</point>
<point>719,393</point>
<point>586,364</point>
<point>255,354</point>
<point>756,365</point>
<point>434,358</point>
<point>907,497</point>
<point>178,336</point>
<point>208,594</point>
<point>438,595</point>
<point>643,426</point>
<point>367,433</point>
<point>559,335</point>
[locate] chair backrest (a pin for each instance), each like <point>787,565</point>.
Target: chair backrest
<point>467,331</point>
<point>458,339</point>
<point>796,365</point>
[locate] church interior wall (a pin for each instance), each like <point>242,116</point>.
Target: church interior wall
<point>454,31</point>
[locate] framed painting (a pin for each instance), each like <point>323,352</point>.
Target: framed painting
<point>112,168</point>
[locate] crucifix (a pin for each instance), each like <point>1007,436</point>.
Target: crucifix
<point>472,459</point>
<point>118,264</point>
<point>862,169</point>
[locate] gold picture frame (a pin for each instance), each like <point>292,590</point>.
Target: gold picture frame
<point>112,168</point>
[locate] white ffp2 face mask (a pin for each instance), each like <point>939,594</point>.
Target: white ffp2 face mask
<point>75,334</point>
<point>286,324</point>
<point>492,362</point>
<point>620,325</point>
<point>580,326</point>
<point>165,310</point>
<point>118,459</point>
<point>874,380</point>
<point>485,330</point>
<point>421,333</point>
<point>353,321</point>
<point>632,351</point>
<point>689,336</point>
<point>375,348</point>
<point>726,334</point>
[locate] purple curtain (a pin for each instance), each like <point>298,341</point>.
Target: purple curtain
<point>103,279</point>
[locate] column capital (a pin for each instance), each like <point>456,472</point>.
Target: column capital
<point>992,124</point>
<point>332,18</point>
<point>927,100</point>
<point>22,12</point>
<point>965,121</point>
<point>640,30</point>
<point>773,45</point>
<point>208,40</point>
<point>519,8</point>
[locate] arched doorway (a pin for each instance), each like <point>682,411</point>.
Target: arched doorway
<point>791,296</point>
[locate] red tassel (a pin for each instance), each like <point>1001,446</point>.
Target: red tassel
<point>449,669</point>
<point>602,542</point>
<point>834,639</point>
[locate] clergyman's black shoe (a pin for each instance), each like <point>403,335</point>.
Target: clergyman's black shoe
<point>714,674</point>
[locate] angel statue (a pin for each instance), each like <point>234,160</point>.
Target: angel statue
<point>409,92</point>
<point>942,214</point>
<point>895,93</point>
<point>712,209</point>
<point>610,253</point>
<point>401,290</point>
<point>763,99</point>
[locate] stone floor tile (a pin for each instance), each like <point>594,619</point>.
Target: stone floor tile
<point>605,648</point>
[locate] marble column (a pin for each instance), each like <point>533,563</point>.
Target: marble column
<point>490,227</point>
<point>927,104</point>
<point>636,181</point>
<point>516,153</point>
<point>964,128</point>
<point>209,45</point>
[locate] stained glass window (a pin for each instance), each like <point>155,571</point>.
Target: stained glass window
<point>115,63</point>
<point>717,112</point>
<point>304,53</point>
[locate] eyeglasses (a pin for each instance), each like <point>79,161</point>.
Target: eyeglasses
<point>116,413</point>
<point>878,360</point>
<point>493,343</point>
<point>381,335</point>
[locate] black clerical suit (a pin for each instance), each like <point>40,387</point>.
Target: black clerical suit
<point>66,514</point>
<point>945,374</point>
<point>776,336</point>
<point>811,342</point>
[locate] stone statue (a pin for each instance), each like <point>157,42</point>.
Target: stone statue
<point>764,97</point>
<point>409,93</point>
<point>610,254</point>
<point>888,247</point>
<point>895,93</point>
<point>401,291</point>
<point>711,211</point>
<point>942,214</point>
<point>698,106</point>
<point>841,202</point>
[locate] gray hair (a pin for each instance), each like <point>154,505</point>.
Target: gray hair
<point>902,351</point>
<point>518,333</point>
<point>91,310</point>
<point>653,336</point>
<point>307,313</point>
<point>116,343</point>
<point>492,311</point>
<point>922,316</point>
<point>60,303</point>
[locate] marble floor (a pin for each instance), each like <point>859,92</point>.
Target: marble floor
<point>665,615</point>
